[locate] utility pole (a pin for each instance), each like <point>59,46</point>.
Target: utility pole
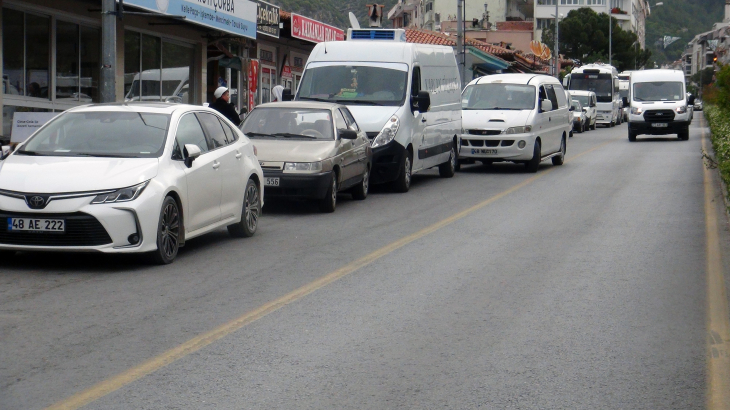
<point>108,50</point>
<point>610,32</point>
<point>460,56</point>
<point>557,52</point>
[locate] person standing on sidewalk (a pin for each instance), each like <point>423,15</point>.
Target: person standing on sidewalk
<point>223,106</point>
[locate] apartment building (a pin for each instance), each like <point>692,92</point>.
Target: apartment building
<point>631,14</point>
<point>483,14</point>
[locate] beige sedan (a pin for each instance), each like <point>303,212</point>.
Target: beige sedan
<point>310,150</point>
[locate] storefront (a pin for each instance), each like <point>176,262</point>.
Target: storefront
<point>51,52</point>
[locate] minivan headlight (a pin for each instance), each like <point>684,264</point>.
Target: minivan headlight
<point>518,130</point>
<point>636,111</point>
<point>121,195</point>
<point>387,133</point>
<point>681,110</point>
<point>303,167</point>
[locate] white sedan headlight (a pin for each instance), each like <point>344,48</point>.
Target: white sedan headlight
<point>387,133</point>
<point>518,130</point>
<point>302,167</point>
<point>121,195</point>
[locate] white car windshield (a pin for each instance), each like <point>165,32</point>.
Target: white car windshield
<point>498,96</point>
<point>583,99</point>
<point>658,91</point>
<point>289,123</point>
<point>101,134</point>
<point>353,84</point>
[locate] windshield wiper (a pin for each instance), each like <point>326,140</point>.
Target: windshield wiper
<point>258,134</point>
<point>362,102</point>
<point>32,153</point>
<point>502,108</point>
<point>314,99</point>
<point>86,154</point>
<point>290,135</point>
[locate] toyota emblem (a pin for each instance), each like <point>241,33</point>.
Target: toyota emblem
<point>36,202</point>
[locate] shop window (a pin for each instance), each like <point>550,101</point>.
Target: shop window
<point>266,55</point>
<point>26,54</point>
<point>78,62</point>
<point>298,62</point>
<point>156,70</point>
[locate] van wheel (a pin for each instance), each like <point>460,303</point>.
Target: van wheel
<point>593,127</point>
<point>329,202</point>
<point>403,182</point>
<point>559,159</point>
<point>360,192</point>
<point>533,164</point>
<point>447,169</point>
<point>632,136</point>
<point>683,135</point>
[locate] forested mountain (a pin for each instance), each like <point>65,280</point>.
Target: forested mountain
<point>335,12</point>
<point>680,18</point>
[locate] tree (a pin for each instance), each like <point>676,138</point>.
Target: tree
<point>707,74</point>
<point>584,37</point>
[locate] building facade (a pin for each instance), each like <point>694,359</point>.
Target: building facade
<point>483,14</point>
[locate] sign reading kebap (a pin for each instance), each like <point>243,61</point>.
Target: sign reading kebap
<point>315,31</point>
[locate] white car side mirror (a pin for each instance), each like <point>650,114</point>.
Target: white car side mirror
<point>546,105</point>
<point>190,152</point>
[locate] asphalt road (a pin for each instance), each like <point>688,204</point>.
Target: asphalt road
<point>581,286</point>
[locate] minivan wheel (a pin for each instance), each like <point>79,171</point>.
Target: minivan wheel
<point>632,135</point>
<point>447,169</point>
<point>533,164</point>
<point>329,202</point>
<point>360,192</point>
<point>403,182</point>
<point>246,227</point>
<point>560,159</point>
<point>168,233</point>
<point>683,135</point>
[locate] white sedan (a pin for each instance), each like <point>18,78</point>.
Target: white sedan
<point>127,178</point>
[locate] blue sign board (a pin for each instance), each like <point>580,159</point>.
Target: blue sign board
<point>232,16</point>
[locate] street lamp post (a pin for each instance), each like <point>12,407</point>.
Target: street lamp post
<point>610,32</point>
<point>557,52</point>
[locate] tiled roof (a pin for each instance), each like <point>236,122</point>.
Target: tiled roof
<point>419,36</point>
<point>515,25</point>
<point>284,15</point>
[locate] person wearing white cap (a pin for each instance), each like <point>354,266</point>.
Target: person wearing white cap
<point>223,106</point>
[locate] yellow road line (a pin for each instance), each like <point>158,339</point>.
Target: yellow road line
<point>718,326</point>
<point>108,386</point>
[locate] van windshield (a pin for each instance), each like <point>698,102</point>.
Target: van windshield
<point>658,91</point>
<point>601,84</point>
<point>498,97</point>
<point>354,84</point>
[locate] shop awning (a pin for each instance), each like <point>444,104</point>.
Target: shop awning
<point>484,62</point>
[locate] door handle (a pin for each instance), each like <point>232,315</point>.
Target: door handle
<point>423,119</point>
<point>216,164</point>
<point>550,118</point>
<point>238,155</point>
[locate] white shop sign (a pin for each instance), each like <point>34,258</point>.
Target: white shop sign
<point>26,123</point>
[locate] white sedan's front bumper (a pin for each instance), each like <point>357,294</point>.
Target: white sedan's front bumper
<point>117,225</point>
<point>502,147</point>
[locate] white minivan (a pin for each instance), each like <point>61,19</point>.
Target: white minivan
<point>659,105</point>
<point>522,118</point>
<point>404,95</point>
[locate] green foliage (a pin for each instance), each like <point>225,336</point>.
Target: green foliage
<point>706,76</point>
<point>719,120</point>
<point>334,12</point>
<point>680,18</point>
<point>584,36</point>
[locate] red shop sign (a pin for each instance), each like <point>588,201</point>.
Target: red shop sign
<point>315,31</point>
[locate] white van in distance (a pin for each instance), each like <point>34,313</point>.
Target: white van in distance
<point>659,105</point>
<point>522,118</point>
<point>405,96</point>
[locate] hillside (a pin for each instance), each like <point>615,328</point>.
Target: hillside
<point>334,12</point>
<point>680,18</point>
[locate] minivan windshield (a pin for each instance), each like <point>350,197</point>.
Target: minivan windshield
<point>601,84</point>
<point>498,96</point>
<point>659,91</point>
<point>583,99</point>
<point>101,134</point>
<point>356,84</point>
<point>289,123</point>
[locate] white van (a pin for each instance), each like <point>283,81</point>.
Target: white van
<point>588,100</point>
<point>168,84</point>
<point>658,104</point>
<point>405,96</point>
<point>603,80</point>
<point>522,118</point>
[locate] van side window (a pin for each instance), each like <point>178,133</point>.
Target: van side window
<point>560,93</point>
<point>543,96</point>
<point>552,97</point>
<point>416,81</point>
